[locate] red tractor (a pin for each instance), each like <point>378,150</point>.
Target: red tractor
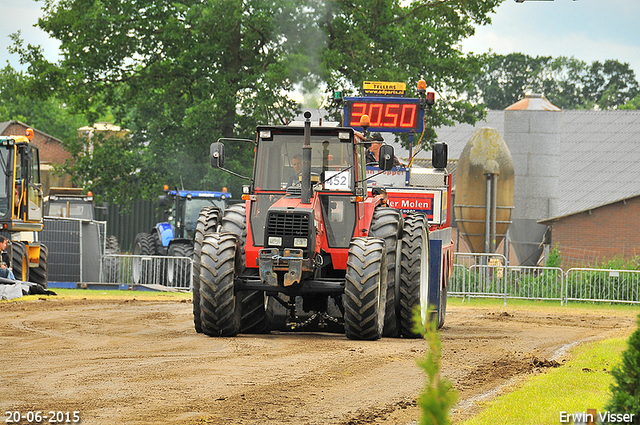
<point>311,247</point>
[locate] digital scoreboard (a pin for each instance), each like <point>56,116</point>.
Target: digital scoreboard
<point>385,113</point>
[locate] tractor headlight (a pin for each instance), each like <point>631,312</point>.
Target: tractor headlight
<point>275,241</point>
<point>344,135</point>
<point>300,242</point>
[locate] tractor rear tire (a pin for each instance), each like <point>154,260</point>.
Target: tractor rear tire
<point>20,261</point>
<point>257,314</point>
<point>414,273</point>
<point>39,274</point>
<point>178,269</point>
<point>208,221</point>
<point>387,225</point>
<point>365,289</point>
<point>220,307</point>
<point>143,271</point>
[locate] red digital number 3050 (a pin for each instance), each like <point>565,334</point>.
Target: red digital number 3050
<point>385,115</point>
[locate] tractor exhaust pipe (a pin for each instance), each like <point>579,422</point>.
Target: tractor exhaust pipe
<point>306,161</point>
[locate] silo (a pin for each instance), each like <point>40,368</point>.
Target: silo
<point>531,131</point>
<point>484,190</point>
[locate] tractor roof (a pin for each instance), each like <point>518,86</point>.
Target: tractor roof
<point>201,194</point>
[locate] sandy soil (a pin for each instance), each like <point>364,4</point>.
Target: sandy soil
<point>141,362</point>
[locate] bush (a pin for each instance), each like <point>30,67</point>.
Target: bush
<point>625,390</point>
<point>554,259</point>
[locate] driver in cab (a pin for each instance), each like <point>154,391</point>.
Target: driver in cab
<point>296,163</point>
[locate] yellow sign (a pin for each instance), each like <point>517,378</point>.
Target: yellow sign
<point>384,88</point>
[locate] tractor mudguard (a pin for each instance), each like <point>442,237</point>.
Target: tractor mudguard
<point>166,233</point>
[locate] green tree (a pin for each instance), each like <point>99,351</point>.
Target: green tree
<point>625,390</point>
<point>567,82</point>
<point>386,41</point>
<point>49,115</point>
<point>610,84</point>
<point>181,74</point>
<point>632,103</point>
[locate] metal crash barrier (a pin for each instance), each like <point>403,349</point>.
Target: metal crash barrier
<point>174,272</point>
<point>75,247</point>
<point>485,275</point>
<point>602,285</point>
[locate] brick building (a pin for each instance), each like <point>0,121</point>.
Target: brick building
<point>589,237</point>
<point>51,152</point>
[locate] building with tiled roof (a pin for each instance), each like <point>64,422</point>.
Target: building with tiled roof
<point>51,152</point>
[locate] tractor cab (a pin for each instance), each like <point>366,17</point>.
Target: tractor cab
<point>332,174</point>
<point>184,207</point>
<point>69,202</point>
<point>309,186</point>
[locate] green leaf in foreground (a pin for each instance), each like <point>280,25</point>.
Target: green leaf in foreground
<point>438,395</point>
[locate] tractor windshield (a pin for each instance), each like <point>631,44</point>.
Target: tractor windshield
<point>279,161</point>
<point>192,209</point>
<point>71,209</point>
<point>5,179</point>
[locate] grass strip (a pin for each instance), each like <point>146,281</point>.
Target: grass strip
<point>581,383</point>
<point>95,294</point>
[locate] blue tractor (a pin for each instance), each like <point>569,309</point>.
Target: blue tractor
<point>175,237</point>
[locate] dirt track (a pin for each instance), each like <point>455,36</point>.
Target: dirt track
<point>141,362</point>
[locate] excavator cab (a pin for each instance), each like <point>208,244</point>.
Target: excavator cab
<point>20,185</point>
<point>21,203</point>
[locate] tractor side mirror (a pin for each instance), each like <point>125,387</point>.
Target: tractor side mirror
<point>216,155</point>
<point>162,200</point>
<point>439,155</point>
<point>385,157</point>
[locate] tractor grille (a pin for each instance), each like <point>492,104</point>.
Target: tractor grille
<point>293,224</point>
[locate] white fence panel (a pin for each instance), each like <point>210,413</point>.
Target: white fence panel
<point>174,272</point>
<point>485,275</point>
<point>532,282</point>
<point>603,285</point>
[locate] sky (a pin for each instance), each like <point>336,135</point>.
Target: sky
<point>588,30</point>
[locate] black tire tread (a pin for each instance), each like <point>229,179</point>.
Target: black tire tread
<point>410,271</point>
<point>18,257</point>
<point>364,300</point>
<point>208,221</point>
<point>181,270</point>
<point>111,266</point>
<point>219,309</point>
<point>387,225</point>
<point>144,244</point>
<point>255,318</point>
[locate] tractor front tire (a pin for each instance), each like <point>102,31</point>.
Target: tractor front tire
<point>143,271</point>
<point>365,289</point>
<point>208,221</point>
<point>387,225</point>
<point>257,312</point>
<point>220,307</point>
<point>414,273</point>
<point>179,269</point>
